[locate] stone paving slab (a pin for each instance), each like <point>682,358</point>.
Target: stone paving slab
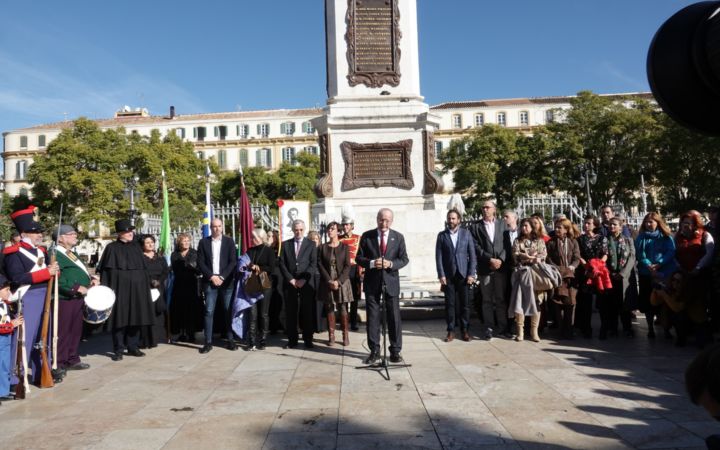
<point>619,393</point>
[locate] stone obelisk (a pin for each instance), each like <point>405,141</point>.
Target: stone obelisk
<point>376,136</point>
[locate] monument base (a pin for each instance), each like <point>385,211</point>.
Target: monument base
<point>418,218</point>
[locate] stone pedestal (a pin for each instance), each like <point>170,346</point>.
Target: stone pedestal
<point>376,141</point>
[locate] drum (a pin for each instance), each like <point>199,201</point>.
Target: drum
<point>99,302</point>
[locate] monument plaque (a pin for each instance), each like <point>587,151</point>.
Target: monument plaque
<point>372,36</point>
<point>377,165</point>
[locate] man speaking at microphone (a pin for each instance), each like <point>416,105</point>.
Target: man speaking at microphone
<point>382,254</point>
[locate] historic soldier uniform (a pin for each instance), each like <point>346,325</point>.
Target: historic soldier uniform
<point>73,282</point>
<point>26,265</point>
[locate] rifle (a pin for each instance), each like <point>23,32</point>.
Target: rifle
<point>56,298</point>
<point>22,388</point>
<point>46,377</point>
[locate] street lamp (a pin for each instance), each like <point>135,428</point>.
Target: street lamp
<point>587,177</point>
<point>131,184</point>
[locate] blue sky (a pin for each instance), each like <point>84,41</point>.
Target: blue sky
<point>89,58</point>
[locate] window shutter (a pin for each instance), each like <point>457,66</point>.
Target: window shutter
<point>259,132</point>
<point>283,128</point>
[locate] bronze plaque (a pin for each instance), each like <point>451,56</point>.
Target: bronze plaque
<point>377,165</point>
<point>372,36</point>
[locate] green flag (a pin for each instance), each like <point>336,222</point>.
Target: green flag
<point>165,244</point>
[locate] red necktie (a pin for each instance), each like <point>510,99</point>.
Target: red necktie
<point>383,246</point>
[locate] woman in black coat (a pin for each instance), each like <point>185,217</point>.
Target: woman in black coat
<point>262,259</point>
<point>158,270</point>
<point>186,305</point>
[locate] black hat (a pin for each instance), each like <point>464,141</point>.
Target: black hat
<point>24,220</point>
<point>123,225</point>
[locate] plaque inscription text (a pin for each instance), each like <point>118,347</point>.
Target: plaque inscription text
<point>372,36</point>
<point>377,165</point>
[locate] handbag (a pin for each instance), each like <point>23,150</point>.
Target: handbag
<point>257,282</point>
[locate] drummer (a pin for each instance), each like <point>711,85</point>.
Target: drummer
<point>73,283</point>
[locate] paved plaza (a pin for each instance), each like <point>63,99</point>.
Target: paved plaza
<point>620,393</point>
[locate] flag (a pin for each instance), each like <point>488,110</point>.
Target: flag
<point>207,215</point>
<point>246,218</point>
<point>165,244</point>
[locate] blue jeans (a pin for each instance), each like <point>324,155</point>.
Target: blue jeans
<point>211,295</point>
<point>5,363</point>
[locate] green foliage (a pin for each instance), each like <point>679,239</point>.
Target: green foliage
<point>499,162</point>
<point>617,140</point>
<point>266,187</point>
<point>88,169</point>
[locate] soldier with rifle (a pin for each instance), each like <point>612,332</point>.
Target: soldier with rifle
<point>26,265</point>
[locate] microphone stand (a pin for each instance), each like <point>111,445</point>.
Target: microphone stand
<point>383,312</point>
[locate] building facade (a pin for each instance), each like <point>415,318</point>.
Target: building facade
<point>270,137</point>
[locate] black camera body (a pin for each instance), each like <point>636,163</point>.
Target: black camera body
<point>683,67</point>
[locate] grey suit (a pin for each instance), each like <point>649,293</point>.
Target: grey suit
<point>493,283</point>
<point>456,263</point>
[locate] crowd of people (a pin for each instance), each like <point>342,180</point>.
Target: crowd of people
<point>300,284</point>
<point>558,278</point>
<point>509,268</point>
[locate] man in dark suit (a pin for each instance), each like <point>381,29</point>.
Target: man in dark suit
<point>217,259</point>
<point>382,254</point>
<point>298,263</point>
<point>491,261</point>
<point>456,268</point>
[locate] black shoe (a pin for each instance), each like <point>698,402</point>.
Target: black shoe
<point>232,346</point>
<point>651,334</point>
<point>603,335</point>
<point>117,356</point>
<point>250,348</point>
<point>354,327</point>
<point>205,348</point>
<point>261,345</point>
<point>58,375</point>
<point>136,352</point>
<point>290,345</point>
<point>372,359</point>
<point>7,398</point>
<point>395,357</point>
<point>629,333</point>
<point>79,366</point>
<point>309,344</point>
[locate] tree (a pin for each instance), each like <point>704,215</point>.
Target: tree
<point>267,187</point>
<point>614,139</point>
<point>88,169</point>
<point>499,162</point>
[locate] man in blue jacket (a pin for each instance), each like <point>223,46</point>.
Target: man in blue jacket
<point>456,266</point>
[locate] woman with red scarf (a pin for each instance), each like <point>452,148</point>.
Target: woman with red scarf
<point>694,252</point>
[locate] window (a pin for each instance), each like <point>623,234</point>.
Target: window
<point>288,155</point>
<point>549,116</point>
<point>524,118</point>
<point>199,133</point>
<point>20,169</point>
<point>308,128</point>
<point>200,155</point>
<point>263,129</point>
<point>287,128</point>
<point>41,141</point>
<point>180,132</point>
<point>220,132</point>
<point>457,121</point>
<point>438,148</point>
<point>243,130</point>
<point>222,159</point>
<point>479,119</point>
<point>263,158</point>
<point>243,157</point>
<point>23,141</point>
<point>501,119</point>
<point>312,149</point>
